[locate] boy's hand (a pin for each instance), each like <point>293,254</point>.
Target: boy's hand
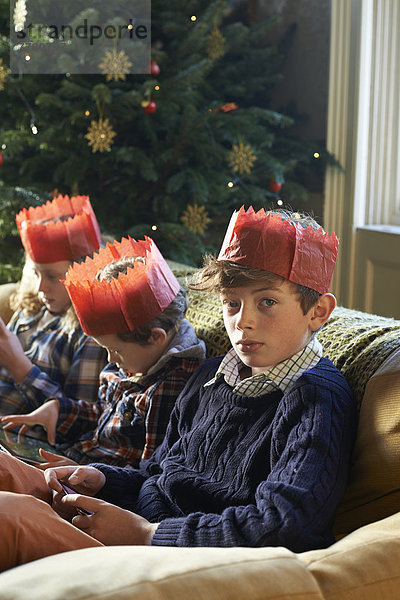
<point>85,480</point>
<point>54,460</point>
<point>109,524</point>
<point>46,415</point>
<point>12,355</point>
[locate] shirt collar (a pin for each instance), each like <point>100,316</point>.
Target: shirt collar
<point>282,376</point>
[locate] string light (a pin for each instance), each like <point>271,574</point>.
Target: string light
<point>87,113</point>
<point>193,18</point>
<point>157,88</point>
<point>279,202</point>
<point>3,146</point>
<point>316,154</point>
<point>34,129</point>
<point>27,57</point>
<point>154,227</point>
<point>230,184</point>
<point>130,26</point>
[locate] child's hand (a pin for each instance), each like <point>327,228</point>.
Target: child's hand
<point>46,415</point>
<point>109,524</point>
<point>54,460</point>
<point>12,355</point>
<point>85,480</point>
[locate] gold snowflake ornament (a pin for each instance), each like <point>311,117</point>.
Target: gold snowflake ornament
<point>195,218</point>
<point>242,158</point>
<point>3,74</point>
<point>115,65</point>
<point>100,135</point>
<point>215,44</point>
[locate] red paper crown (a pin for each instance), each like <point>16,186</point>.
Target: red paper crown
<point>127,301</point>
<point>62,229</point>
<point>270,242</point>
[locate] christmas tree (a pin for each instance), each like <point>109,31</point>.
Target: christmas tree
<point>169,153</point>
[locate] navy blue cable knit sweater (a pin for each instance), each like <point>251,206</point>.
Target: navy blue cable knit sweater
<point>238,471</point>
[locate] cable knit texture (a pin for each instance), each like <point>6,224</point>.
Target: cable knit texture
<point>239,471</point>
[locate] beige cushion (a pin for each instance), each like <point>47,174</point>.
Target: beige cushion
<point>374,486</point>
<point>136,573</point>
<point>363,566</point>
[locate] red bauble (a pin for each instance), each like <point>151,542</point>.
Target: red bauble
<point>150,108</point>
<point>154,68</point>
<point>1,158</point>
<point>274,186</point>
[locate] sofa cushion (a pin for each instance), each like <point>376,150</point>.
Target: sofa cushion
<point>373,491</point>
<point>365,565</point>
<point>150,573</point>
<point>358,343</point>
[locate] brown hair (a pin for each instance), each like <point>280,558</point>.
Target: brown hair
<point>218,276</point>
<point>170,318</point>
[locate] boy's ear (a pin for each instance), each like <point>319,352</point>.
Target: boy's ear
<point>321,311</point>
<point>158,336</point>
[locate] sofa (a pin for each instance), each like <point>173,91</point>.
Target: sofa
<point>364,562</point>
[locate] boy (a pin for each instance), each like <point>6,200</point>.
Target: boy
<point>43,350</point>
<point>257,448</point>
<point>129,301</point>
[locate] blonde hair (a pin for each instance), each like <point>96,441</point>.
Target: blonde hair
<point>26,299</point>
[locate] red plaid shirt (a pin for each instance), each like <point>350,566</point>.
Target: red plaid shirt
<point>131,415</point>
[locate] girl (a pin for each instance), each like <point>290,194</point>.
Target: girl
<point>43,350</point>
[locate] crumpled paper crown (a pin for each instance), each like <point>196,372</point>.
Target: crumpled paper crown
<point>127,301</point>
<point>62,229</point>
<point>272,243</point>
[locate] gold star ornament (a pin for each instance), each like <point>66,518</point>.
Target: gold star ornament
<point>100,135</point>
<point>3,74</point>
<point>242,158</point>
<point>215,44</point>
<point>195,218</point>
<point>115,65</point>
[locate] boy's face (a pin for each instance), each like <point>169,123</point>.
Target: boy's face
<point>265,323</point>
<point>50,290</point>
<point>130,356</point>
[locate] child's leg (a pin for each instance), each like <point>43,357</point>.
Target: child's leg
<point>16,476</point>
<point>30,529</point>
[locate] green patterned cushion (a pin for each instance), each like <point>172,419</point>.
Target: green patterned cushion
<point>356,342</point>
<point>204,313</point>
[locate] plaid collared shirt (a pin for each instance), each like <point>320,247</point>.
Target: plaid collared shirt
<point>130,418</point>
<point>66,365</point>
<point>131,414</point>
<point>282,376</point>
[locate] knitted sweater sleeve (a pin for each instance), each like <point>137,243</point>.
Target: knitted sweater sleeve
<point>123,484</point>
<point>313,434</point>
